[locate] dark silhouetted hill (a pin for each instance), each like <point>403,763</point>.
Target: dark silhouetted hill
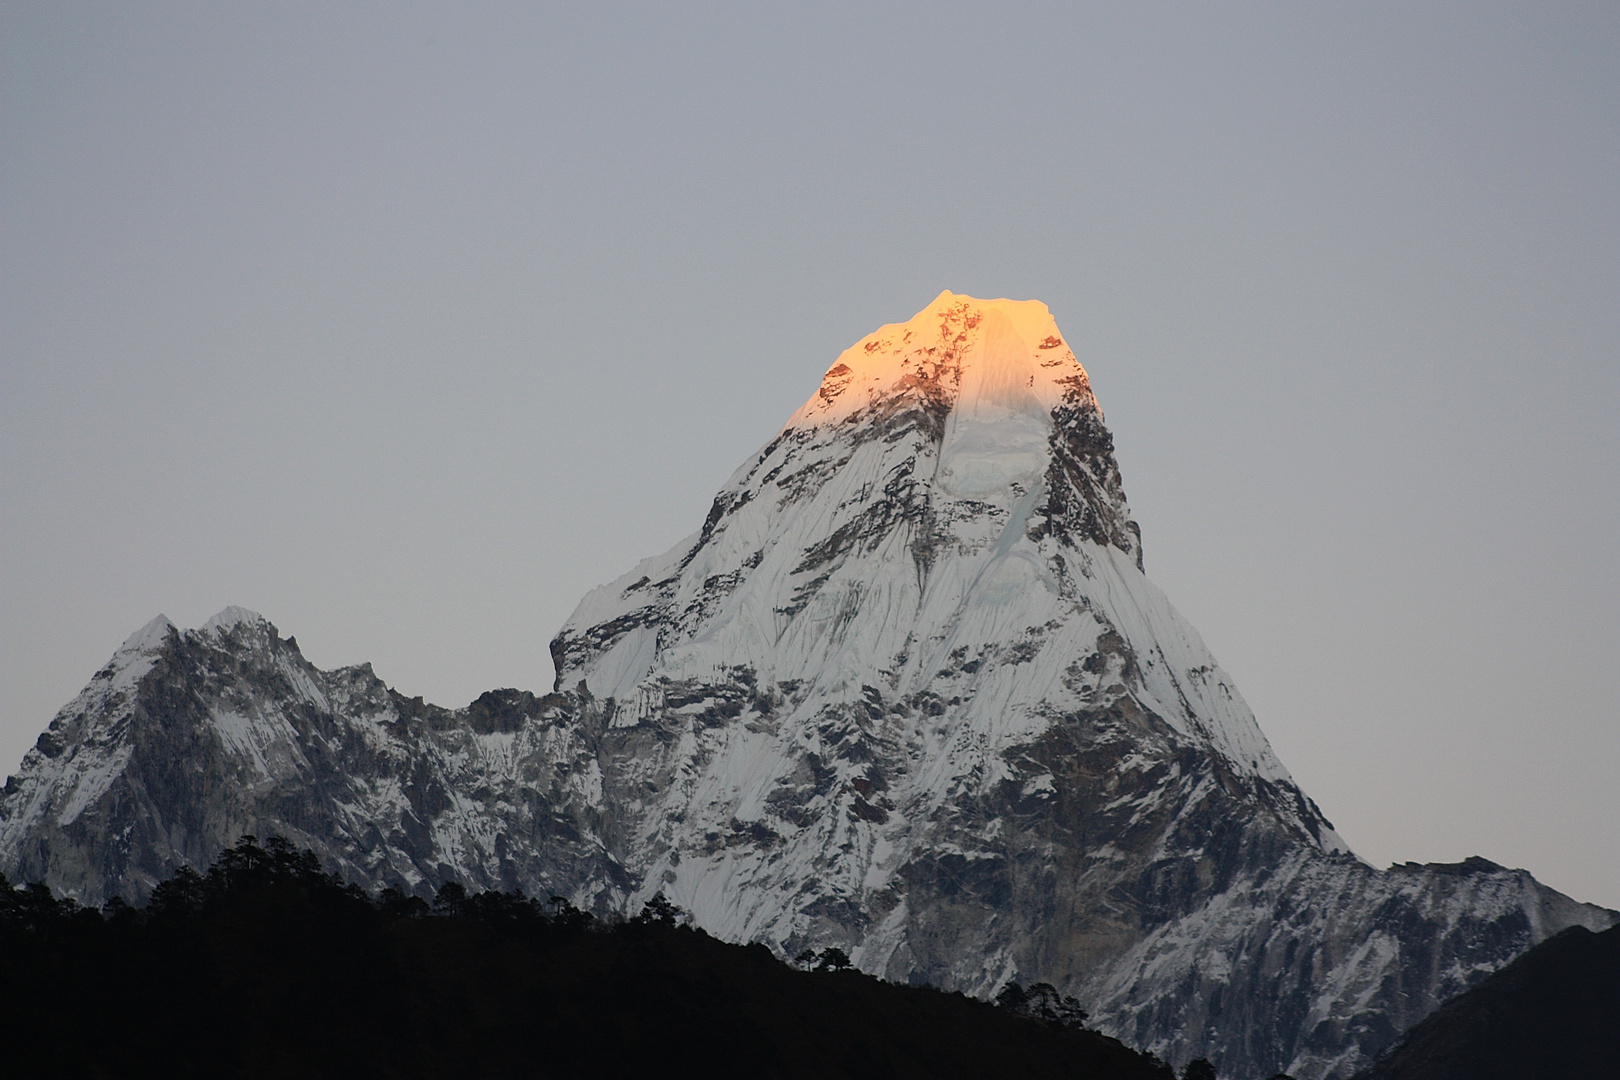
<point>268,967</point>
<point>1553,1012</point>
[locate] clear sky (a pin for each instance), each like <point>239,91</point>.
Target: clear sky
<point>405,325</point>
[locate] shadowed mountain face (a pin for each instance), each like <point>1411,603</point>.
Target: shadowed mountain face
<point>907,692</point>
<point>1555,1011</point>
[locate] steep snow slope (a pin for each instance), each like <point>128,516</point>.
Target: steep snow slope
<point>907,691</point>
<point>948,492</point>
<point>929,570</point>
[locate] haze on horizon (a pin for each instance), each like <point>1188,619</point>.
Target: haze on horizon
<point>407,325</point>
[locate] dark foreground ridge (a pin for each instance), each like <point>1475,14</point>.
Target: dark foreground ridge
<point>267,966</point>
<point>1553,1012</point>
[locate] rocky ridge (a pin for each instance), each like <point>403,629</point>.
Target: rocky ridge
<point>907,692</point>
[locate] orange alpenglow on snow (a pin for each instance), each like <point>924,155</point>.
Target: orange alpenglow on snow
<point>1001,385</point>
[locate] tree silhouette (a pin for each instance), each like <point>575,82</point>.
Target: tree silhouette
<point>659,912</point>
<point>392,901</point>
<point>180,897</point>
<point>568,917</point>
<point>828,959</point>
<point>1042,1002</point>
<point>449,898</point>
<point>1198,1069</point>
<point>833,959</point>
<point>1012,997</point>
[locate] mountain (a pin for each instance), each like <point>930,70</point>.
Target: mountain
<point>1555,1011</point>
<point>189,739</point>
<point>906,692</point>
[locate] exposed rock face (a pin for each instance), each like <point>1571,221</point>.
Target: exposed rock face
<point>1552,1012</point>
<point>907,692</point>
<point>188,739</point>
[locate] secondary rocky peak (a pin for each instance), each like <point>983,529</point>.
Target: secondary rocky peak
<point>147,637</point>
<point>232,617</point>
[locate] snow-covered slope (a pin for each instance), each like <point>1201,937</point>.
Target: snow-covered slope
<point>907,691</point>
<point>929,572</point>
<point>189,738</point>
<point>948,494</point>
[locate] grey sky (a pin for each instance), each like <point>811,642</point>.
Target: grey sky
<point>407,325</point>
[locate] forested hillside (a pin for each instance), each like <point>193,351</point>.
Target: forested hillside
<point>266,966</point>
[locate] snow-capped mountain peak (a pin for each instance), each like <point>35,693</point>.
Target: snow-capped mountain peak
<point>906,691</point>
<point>943,517</point>
<point>231,618</point>
<point>992,358</point>
<point>149,636</point>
